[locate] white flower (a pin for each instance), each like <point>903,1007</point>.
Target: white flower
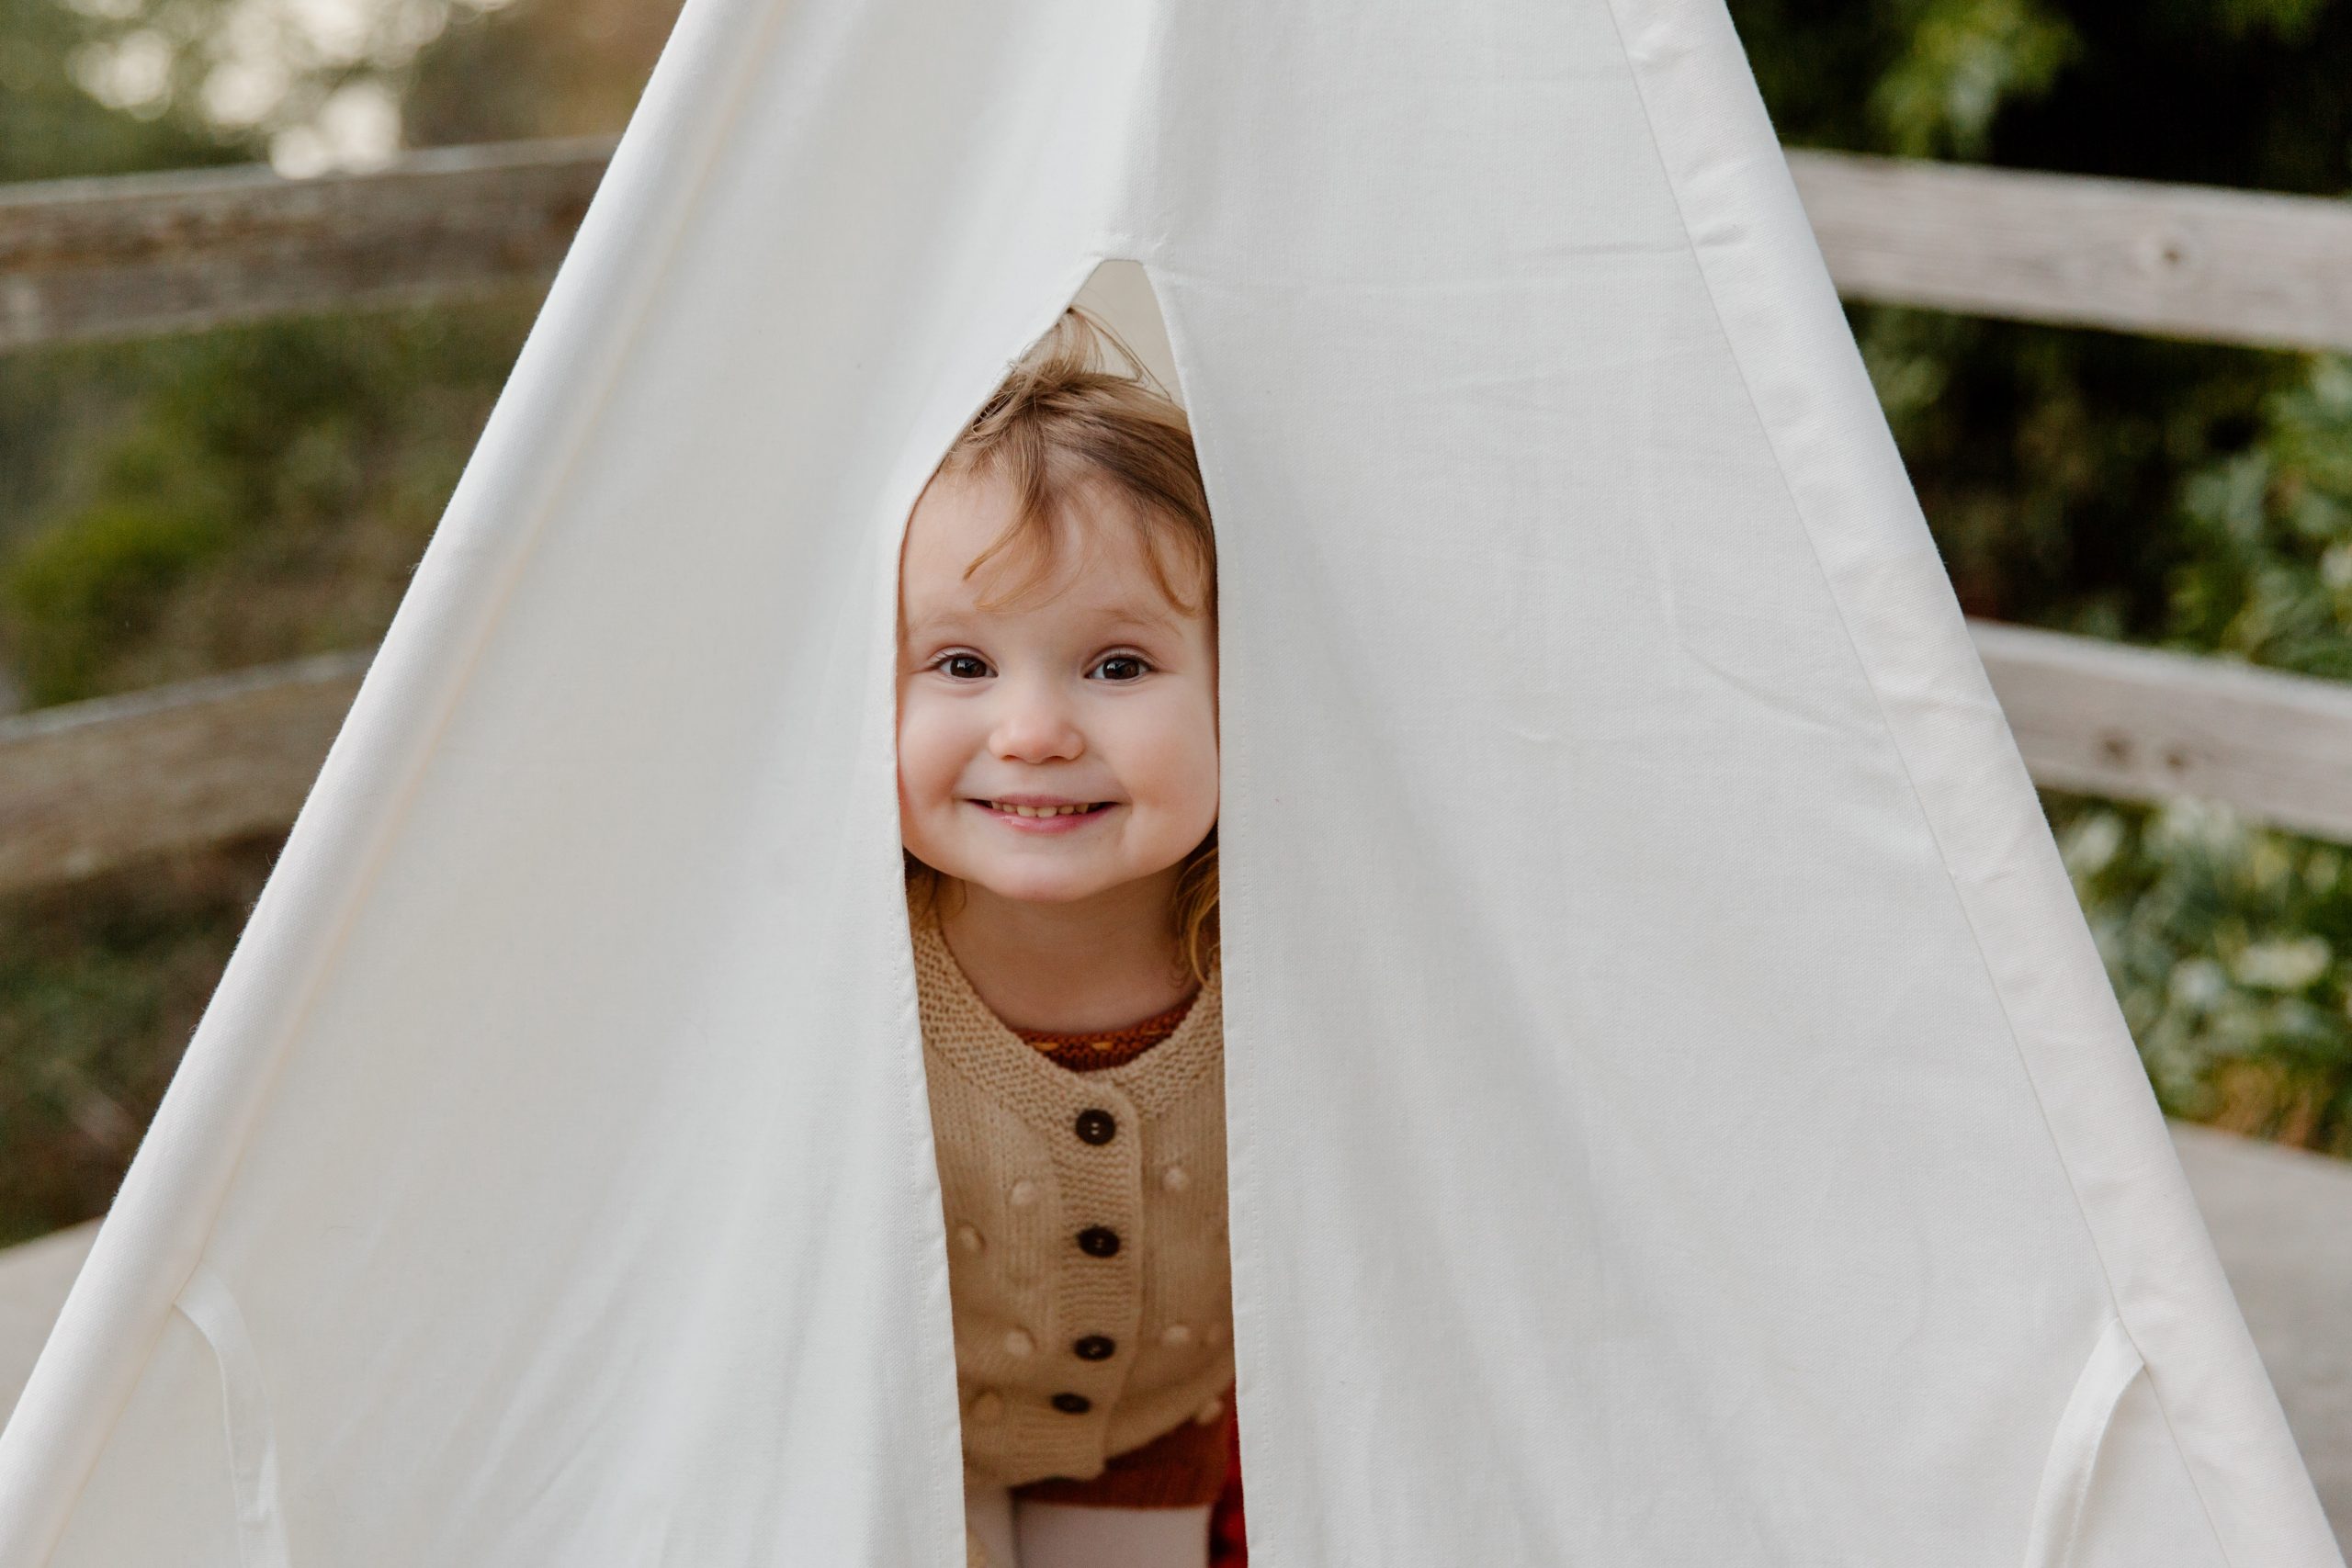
<point>2091,842</point>
<point>2285,964</point>
<point>2188,822</point>
<point>2197,982</point>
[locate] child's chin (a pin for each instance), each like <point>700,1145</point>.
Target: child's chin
<point>1031,888</point>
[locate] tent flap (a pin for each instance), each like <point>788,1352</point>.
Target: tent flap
<point>1677,1112</point>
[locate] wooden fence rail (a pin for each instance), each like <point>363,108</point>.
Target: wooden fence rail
<point>142,254</point>
<point>82,259</point>
<point>2138,724</point>
<point>2173,261</point>
<point>95,785</point>
<point>90,786</point>
<point>85,787</point>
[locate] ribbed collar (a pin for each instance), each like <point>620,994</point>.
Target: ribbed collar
<point>957,1023</point>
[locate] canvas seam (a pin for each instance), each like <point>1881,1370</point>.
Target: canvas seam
<point>1943,858</point>
<point>210,1308</point>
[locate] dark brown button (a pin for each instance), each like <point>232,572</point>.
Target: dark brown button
<point>1095,1347</point>
<point>1072,1404</point>
<point>1096,1126</point>
<point>1098,1241</point>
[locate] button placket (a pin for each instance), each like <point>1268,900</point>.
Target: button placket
<point>1101,1298</point>
<point>1074,1185</point>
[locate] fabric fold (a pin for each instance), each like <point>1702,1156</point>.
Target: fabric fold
<point>208,1304</point>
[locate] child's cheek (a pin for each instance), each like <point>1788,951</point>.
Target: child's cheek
<point>926,771</point>
<point>1198,764</point>
<point>1177,762</point>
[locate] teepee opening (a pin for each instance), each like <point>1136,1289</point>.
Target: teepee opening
<point>1058,782</point>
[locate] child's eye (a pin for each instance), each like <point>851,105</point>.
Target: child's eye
<point>1122,667</point>
<point>961,666</point>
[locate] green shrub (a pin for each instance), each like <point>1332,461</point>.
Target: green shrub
<point>264,493</point>
<point>2269,576</point>
<point>77,591</point>
<point>100,985</point>
<point>2228,945</point>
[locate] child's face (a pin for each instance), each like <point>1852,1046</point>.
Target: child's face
<point>1088,690</point>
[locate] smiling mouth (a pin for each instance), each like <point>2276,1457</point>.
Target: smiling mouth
<point>1005,809</point>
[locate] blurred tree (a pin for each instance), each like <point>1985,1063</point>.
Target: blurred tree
<point>2230,944</point>
<point>533,68</point>
<point>54,410</point>
<point>265,494</point>
<point>52,127</point>
<point>2269,572</point>
<point>100,985</point>
<point>2227,944</point>
<point>184,505</point>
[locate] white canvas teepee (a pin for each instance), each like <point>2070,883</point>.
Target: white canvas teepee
<point>1677,1115</point>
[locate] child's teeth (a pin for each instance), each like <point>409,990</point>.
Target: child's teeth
<point>1038,810</point>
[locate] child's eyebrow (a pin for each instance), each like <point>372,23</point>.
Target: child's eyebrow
<point>1142,620</point>
<point>934,622</point>
<point>1132,624</point>
<point>1103,620</point>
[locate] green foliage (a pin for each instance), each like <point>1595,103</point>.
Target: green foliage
<point>2231,944</point>
<point>266,497</point>
<point>51,129</point>
<point>2268,576</point>
<point>2290,21</point>
<point>2228,945</point>
<point>75,592</point>
<point>535,68</point>
<point>2050,461</point>
<point>1921,78</point>
<point>100,985</point>
<point>1963,59</point>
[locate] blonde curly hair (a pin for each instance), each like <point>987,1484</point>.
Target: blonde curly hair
<point>1066,419</point>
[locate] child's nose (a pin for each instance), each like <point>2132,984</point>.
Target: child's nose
<point>1036,726</point>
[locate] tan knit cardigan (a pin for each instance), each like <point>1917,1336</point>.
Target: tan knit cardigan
<point>1086,1233</point>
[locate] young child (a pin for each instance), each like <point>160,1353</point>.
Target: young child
<point>1057,779</point>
